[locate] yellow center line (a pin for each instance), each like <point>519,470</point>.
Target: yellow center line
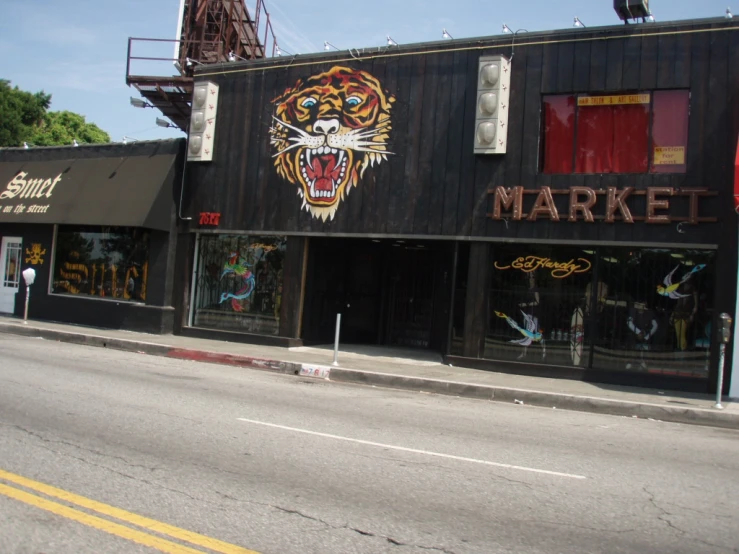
<point>96,522</point>
<point>122,515</point>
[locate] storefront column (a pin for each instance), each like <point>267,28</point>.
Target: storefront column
<point>476,304</point>
<point>293,286</point>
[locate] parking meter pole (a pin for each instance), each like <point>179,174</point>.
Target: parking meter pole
<point>720,386</point>
<point>25,310</point>
<point>336,339</point>
<point>724,336</point>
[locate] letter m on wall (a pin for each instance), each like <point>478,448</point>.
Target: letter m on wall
<point>507,199</point>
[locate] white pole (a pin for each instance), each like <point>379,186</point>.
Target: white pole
<point>336,340</point>
<point>721,359</point>
<point>25,310</point>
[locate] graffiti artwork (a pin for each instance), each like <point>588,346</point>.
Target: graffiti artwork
<point>34,254</point>
<point>669,289</point>
<point>328,129</point>
<point>531,332</point>
<point>236,266</point>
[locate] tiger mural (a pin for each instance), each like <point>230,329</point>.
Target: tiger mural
<point>328,129</point>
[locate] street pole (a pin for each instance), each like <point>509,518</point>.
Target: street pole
<point>336,340</point>
<point>721,360</point>
<point>25,310</point>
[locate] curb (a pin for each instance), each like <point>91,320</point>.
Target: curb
<point>673,414</point>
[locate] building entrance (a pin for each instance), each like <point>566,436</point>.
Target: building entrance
<point>10,272</point>
<point>388,292</point>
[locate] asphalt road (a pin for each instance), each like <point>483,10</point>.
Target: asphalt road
<point>281,464</point>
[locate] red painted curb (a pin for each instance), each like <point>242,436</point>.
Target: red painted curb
<point>222,358</point>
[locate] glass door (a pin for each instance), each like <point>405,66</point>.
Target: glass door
<point>10,266</point>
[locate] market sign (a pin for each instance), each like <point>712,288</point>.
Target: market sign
<point>583,201</point>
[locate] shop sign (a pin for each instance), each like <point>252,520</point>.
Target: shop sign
<point>559,270</point>
<point>210,218</point>
<point>613,100</point>
<point>669,155</point>
<point>583,201</point>
<point>20,188</point>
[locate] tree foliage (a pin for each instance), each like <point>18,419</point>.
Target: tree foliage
<point>20,112</point>
<point>24,117</point>
<point>64,128</point>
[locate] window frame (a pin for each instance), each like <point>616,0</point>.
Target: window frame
<point>650,132</point>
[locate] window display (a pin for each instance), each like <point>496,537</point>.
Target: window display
<point>623,133</point>
<point>615,308</point>
<point>238,283</point>
<point>104,262</point>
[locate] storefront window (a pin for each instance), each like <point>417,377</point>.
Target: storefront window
<point>619,309</point>
<point>105,262</point>
<point>238,283</point>
<point>654,311</point>
<point>537,304</point>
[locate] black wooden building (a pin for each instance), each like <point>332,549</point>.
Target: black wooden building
<point>97,224</point>
<point>576,222</point>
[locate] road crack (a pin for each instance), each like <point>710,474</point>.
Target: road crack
<point>665,514</point>
<point>362,532</point>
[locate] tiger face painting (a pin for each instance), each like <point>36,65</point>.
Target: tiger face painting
<point>328,129</point>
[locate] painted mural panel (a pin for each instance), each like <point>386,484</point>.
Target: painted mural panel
<point>238,283</point>
<point>327,130</point>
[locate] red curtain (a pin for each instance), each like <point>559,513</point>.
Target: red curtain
<point>613,139</point>
<point>670,130</point>
<point>559,137</point>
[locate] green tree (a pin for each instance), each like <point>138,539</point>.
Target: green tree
<point>60,128</point>
<point>24,117</point>
<point>20,112</point>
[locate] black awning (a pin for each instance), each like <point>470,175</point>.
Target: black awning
<point>133,191</point>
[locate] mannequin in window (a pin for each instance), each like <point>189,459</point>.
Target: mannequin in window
<point>684,313</point>
<point>643,325</point>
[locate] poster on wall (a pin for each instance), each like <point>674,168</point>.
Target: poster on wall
<point>327,130</point>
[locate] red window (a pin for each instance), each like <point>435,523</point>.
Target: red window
<point>622,133</point>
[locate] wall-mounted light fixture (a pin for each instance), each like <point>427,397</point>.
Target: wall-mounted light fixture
<point>75,143</point>
<point>233,57</point>
<point>728,15</point>
<point>126,140</point>
<point>578,23</point>
<point>164,123</point>
<point>190,62</point>
<point>445,34</point>
<point>139,103</point>
<point>328,46</point>
<point>506,28</point>
<point>390,41</point>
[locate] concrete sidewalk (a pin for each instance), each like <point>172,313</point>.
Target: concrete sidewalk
<point>402,369</point>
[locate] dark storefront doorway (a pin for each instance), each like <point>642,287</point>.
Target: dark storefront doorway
<point>388,292</point>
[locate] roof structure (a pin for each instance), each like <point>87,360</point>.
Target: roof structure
<point>211,31</point>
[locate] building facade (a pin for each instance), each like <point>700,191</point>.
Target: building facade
<point>97,224</point>
<point>553,203</point>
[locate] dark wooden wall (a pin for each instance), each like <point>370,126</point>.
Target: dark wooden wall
<point>433,184</point>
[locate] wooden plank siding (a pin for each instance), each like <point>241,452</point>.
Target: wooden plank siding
<point>432,184</point>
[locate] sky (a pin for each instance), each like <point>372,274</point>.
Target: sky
<point>76,50</point>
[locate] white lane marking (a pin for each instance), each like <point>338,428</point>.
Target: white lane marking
<point>413,450</point>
